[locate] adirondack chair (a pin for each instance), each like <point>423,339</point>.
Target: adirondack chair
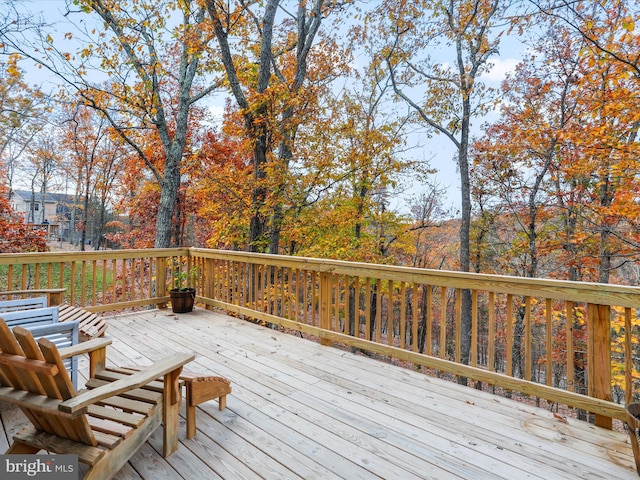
<point>44,323</point>
<point>23,304</point>
<point>104,426</point>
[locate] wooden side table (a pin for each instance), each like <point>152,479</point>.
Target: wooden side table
<point>202,388</point>
<point>199,388</point>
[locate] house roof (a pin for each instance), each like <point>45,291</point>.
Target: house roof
<point>29,196</point>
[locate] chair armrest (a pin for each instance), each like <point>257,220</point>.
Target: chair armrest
<point>84,347</point>
<point>79,403</point>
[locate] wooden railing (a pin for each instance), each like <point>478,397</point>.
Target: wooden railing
<point>568,342</point>
<point>98,281</point>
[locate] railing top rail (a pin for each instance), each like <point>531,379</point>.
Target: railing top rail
<point>597,293</point>
<point>52,257</point>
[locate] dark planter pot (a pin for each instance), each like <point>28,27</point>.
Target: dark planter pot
<point>182,300</point>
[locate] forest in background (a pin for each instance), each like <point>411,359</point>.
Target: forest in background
<point>322,98</point>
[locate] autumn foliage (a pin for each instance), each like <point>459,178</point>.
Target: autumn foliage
<point>15,235</point>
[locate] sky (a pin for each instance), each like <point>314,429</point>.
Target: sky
<point>438,150</point>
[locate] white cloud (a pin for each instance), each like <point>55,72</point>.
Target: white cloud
<point>500,69</point>
<point>217,111</point>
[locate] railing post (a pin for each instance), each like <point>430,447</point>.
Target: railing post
<point>55,297</point>
<point>208,273</point>
<point>599,332</point>
<point>161,279</point>
<point>325,304</point>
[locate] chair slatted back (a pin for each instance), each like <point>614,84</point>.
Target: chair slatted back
<point>33,317</point>
<point>37,368</point>
<point>23,304</point>
<point>44,322</point>
<point>63,334</point>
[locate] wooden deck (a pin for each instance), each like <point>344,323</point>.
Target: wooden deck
<point>302,411</point>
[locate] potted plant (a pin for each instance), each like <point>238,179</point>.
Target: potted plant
<point>182,294</point>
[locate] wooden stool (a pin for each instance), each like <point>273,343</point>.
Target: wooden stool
<point>199,388</point>
<point>202,388</point>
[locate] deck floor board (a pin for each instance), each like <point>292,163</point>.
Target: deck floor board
<point>299,410</point>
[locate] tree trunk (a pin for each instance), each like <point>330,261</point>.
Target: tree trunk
<point>465,228</point>
<point>258,221</point>
<point>168,198</point>
<point>170,185</point>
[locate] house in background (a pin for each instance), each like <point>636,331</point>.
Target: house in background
<point>53,211</point>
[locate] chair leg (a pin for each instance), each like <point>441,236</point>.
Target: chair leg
<point>171,406</point>
<point>191,416</point>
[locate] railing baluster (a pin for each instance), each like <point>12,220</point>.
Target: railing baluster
<point>510,333</point>
<point>378,315</point>
<point>403,315</point>
<point>527,339</point>
<point>114,282</point>
<point>94,273</point>
<point>83,279</point>
<point>571,372</point>
<point>73,283</point>
<point>549,339</point>
<point>390,323</point>
<point>347,313</point>
<point>491,340</point>
<point>367,308</point>
<point>458,325</point>
<point>104,281</point>
<point>356,308</point>
<point>429,320</point>
<point>415,310</point>
<point>291,293</point>
<point>443,323</point>
<point>325,305</point>
<point>316,317</point>
<point>473,354</point>
<point>123,282</point>
<point>337,300</point>
<point>628,356</point>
